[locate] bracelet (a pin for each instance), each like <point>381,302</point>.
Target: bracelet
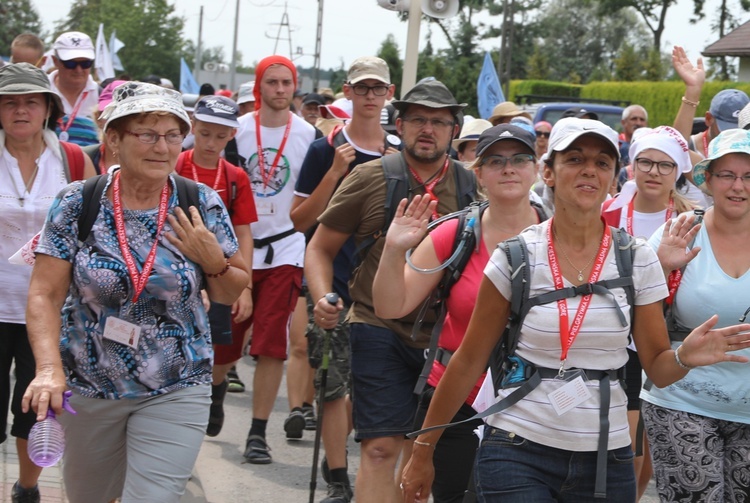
<point>693,104</point>
<point>220,273</point>
<point>679,362</point>
<point>424,444</point>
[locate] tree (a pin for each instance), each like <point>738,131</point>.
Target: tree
<point>538,64</point>
<point>150,30</point>
<point>17,17</point>
<point>725,22</point>
<point>627,64</point>
<point>389,53</point>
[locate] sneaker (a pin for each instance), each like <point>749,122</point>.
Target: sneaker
<point>294,424</point>
<point>20,495</point>
<point>216,411</point>
<point>235,383</point>
<point>338,492</point>
<point>311,422</point>
<point>257,451</point>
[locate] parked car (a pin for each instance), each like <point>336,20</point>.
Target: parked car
<point>550,109</point>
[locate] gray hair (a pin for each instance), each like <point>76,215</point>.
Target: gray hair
<point>629,110</point>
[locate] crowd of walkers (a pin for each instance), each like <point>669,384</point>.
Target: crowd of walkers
<point>522,312</point>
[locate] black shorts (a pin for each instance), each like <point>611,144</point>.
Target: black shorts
<point>14,346</point>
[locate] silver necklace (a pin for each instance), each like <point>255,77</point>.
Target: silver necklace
<point>580,271</point>
<point>27,186</point>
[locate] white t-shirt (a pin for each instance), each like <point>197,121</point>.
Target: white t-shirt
<point>273,198</point>
<point>719,391</point>
<point>600,345</point>
<point>90,102</point>
<point>19,223</point>
<point>644,224</point>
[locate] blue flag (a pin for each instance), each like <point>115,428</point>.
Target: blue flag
<point>188,85</point>
<point>489,92</point>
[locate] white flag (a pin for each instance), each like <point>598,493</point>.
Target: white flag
<point>115,45</point>
<point>103,62</point>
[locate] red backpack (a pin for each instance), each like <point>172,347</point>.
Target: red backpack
<point>73,163</point>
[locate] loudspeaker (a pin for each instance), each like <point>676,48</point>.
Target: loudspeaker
<point>440,8</point>
<point>395,5</point>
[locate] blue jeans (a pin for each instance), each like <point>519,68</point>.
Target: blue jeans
<point>511,469</point>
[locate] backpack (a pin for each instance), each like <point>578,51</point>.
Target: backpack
<point>73,163</point>
<point>93,188</point>
<point>396,176</point>
<point>511,371</point>
<point>466,241</point>
<point>229,174</point>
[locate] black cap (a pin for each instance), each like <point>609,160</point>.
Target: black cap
<point>580,113</point>
<point>501,132</point>
<point>206,89</point>
<point>314,98</point>
<point>430,94</point>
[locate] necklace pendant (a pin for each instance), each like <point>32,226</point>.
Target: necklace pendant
<point>20,201</point>
<point>580,275</point>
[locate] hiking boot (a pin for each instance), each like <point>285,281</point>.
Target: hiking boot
<point>257,451</point>
<point>20,495</point>
<point>294,425</point>
<point>235,383</point>
<point>338,492</point>
<point>216,412</point>
<point>311,422</point>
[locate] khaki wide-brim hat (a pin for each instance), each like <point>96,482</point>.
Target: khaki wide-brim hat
<point>25,78</point>
<point>507,109</point>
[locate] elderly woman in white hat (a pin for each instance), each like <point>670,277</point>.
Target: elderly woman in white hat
<point>134,338</point>
<point>699,428</point>
<point>33,169</point>
<point>568,427</point>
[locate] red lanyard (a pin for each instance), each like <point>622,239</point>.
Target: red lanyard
<point>568,333</point>
<point>705,143</point>
<point>189,160</point>
<point>629,217</point>
<point>268,176</point>
<point>64,127</point>
<point>431,184</point>
<point>139,280</point>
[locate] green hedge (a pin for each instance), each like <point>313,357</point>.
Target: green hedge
<point>660,99</point>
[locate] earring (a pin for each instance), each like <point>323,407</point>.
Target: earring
<point>114,153</point>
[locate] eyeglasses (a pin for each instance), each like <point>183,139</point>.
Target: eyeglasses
<point>543,134</point>
<point>70,64</point>
<point>498,162</point>
<point>727,178</point>
<point>152,138</point>
<point>421,122</point>
<point>662,167</point>
<point>362,89</point>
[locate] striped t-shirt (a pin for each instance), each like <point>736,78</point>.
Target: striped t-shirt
<point>601,345</point>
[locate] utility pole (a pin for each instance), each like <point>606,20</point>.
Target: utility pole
<point>198,47</point>
<point>409,78</point>
<point>318,43</point>
<point>233,70</point>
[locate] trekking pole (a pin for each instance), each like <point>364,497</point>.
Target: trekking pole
<point>333,299</point>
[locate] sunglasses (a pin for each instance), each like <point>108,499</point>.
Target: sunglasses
<point>543,134</point>
<point>72,63</point>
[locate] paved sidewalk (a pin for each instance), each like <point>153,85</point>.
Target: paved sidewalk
<point>220,476</point>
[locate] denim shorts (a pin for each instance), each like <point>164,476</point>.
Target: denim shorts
<point>384,373</point>
<point>512,469</point>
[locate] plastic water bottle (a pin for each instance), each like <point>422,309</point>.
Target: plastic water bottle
<point>47,439</point>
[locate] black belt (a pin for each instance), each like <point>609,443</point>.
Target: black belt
<point>262,242</point>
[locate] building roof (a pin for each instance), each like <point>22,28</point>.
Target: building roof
<point>735,43</point>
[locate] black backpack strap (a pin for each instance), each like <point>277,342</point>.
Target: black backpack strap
<point>466,184</point>
<point>187,194</point>
<point>397,188</point>
<point>92,191</point>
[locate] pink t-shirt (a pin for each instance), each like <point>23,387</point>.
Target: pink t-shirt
<point>461,300</point>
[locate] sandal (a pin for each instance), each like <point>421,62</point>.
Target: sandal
<point>257,451</point>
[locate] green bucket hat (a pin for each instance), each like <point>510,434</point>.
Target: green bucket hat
<point>25,78</point>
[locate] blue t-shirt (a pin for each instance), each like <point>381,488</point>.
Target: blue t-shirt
<point>174,348</point>
<point>718,391</point>
<point>82,131</point>
<point>318,161</point>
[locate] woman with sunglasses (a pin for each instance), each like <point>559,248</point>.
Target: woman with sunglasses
<point>699,427</point>
<point>659,156</point>
<point>134,345</point>
<point>505,169</point>
<point>553,443</point>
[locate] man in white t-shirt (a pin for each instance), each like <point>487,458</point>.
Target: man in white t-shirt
<point>273,141</point>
